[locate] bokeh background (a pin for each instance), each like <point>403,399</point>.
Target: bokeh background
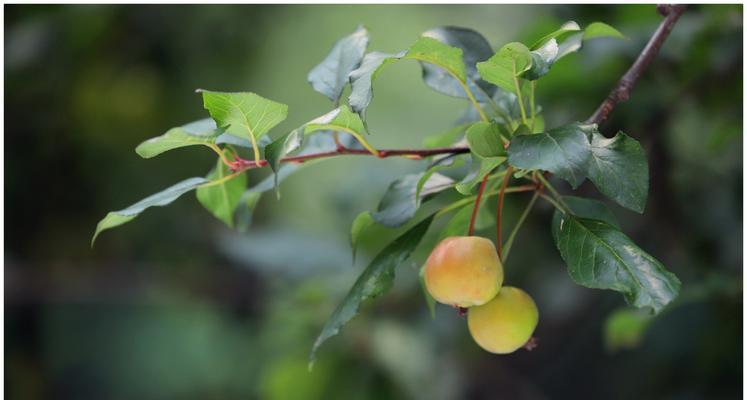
<point>176,306</point>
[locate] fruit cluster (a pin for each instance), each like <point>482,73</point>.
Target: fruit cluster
<point>466,272</point>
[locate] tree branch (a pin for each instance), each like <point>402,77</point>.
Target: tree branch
<point>621,92</point>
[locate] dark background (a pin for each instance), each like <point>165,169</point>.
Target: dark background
<point>175,305</point>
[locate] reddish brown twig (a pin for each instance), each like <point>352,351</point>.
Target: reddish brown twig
<point>472,219</point>
<point>499,212</point>
<point>621,92</point>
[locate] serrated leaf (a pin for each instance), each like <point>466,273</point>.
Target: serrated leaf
<point>374,281</point>
<point>564,151</point>
<point>570,26</point>
<point>484,139</point>
<point>331,75</point>
<point>478,170</point>
<point>591,209</point>
<point>221,199</point>
<point>162,198</point>
<point>361,79</point>
<point>506,65</point>
<point>475,48</point>
<point>401,200</point>
<point>202,132</point>
<point>360,224</point>
<point>281,147</point>
<point>599,256</point>
<point>619,169</point>
<point>243,114</point>
<point>600,29</point>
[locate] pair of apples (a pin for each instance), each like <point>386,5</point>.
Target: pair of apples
<point>465,271</point>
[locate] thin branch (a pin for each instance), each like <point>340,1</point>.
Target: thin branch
<point>499,212</point>
<point>473,218</point>
<point>621,92</point>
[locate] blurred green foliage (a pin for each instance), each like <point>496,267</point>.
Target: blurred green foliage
<point>178,306</point>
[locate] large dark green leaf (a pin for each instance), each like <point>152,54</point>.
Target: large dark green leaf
<point>373,282</point>
<point>221,199</point>
<point>331,75</point>
<point>243,114</point>
<point>475,48</point>
<point>619,169</point>
<point>564,151</point>
<point>591,209</point>
<point>403,198</point>
<point>599,256</point>
<point>165,197</point>
<point>503,68</point>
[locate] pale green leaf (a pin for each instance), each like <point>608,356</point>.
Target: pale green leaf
<point>202,132</point>
<point>360,224</point>
<point>221,199</point>
<point>243,114</point>
<point>506,66</point>
<point>484,139</point>
<point>600,29</point>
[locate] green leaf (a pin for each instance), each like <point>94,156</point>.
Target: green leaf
<point>625,328</point>
<point>591,209</point>
<point>475,48</point>
<point>202,132</point>
<point>564,151</point>
<point>506,65</point>
<point>331,75</point>
<point>165,197</point>
<point>402,199</point>
<point>221,199</point>
<point>570,26</point>
<point>374,281</point>
<point>484,140</point>
<point>361,79</point>
<point>600,29</point>
<point>619,169</point>
<point>430,50</point>
<point>281,147</point>
<point>243,114</point>
<point>599,256</point>
<point>339,119</point>
<point>478,170</point>
<point>360,224</point>
<point>446,138</point>
<point>425,49</point>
